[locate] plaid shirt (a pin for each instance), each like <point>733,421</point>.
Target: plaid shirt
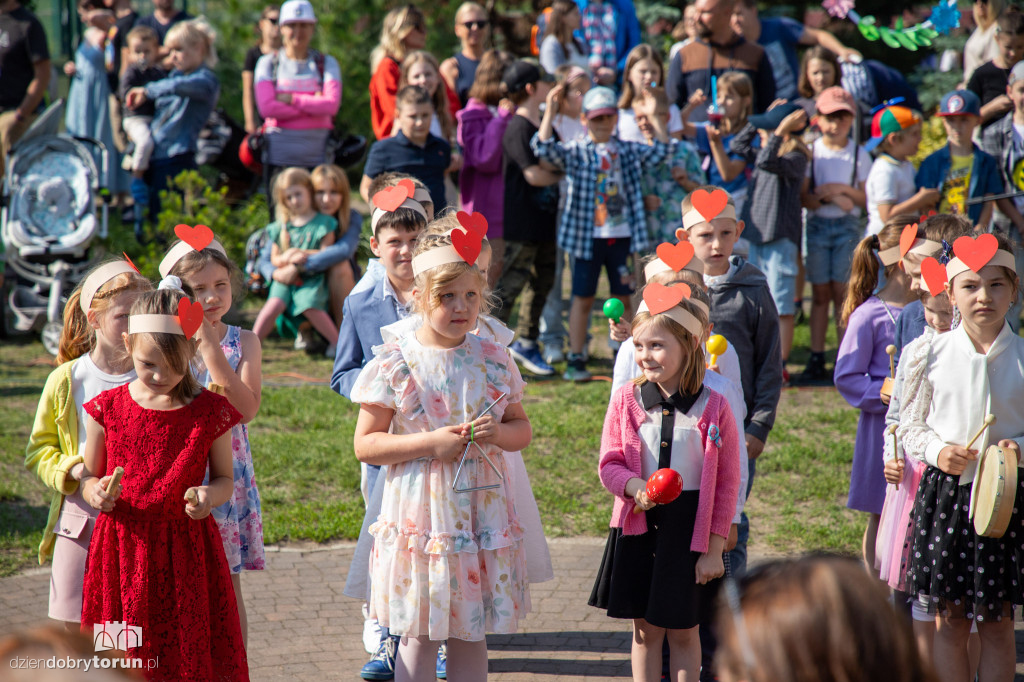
<point>598,24</point>
<point>581,163</point>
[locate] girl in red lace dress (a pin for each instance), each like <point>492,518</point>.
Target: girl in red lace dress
<point>156,561</point>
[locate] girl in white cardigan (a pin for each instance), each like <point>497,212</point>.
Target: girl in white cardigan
<point>974,370</point>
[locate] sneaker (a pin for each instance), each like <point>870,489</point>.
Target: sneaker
<point>577,369</point>
<point>371,631</point>
<point>382,664</point>
<point>815,370</point>
<point>301,340</point>
<point>441,667</point>
<point>530,358</point>
<point>553,355</point>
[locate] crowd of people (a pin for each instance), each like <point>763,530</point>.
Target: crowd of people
<point>705,194</point>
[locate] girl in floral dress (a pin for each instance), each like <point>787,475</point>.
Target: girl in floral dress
<point>230,358</point>
<point>445,564</point>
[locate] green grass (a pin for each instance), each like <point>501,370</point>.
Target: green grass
<point>309,479</point>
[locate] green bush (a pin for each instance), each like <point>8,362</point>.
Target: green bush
<point>195,202</point>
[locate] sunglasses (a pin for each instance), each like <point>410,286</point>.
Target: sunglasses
<point>475,25</point>
<point>272,20</point>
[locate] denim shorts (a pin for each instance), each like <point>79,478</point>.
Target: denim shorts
<point>778,261</point>
<point>613,256</point>
<point>828,247</point>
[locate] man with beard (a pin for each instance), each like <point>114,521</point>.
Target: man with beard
<point>717,49</point>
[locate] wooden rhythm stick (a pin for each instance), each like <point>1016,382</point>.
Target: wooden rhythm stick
<point>192,497</point>
<point>891,351</point>
<point>895,449</point>
<point>115,478</point>
<point>990,419</point>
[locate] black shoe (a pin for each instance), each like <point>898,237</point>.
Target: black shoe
<point>815,372</point>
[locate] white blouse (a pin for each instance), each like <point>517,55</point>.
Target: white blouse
<point>964,386</point>
<point>687,450</point>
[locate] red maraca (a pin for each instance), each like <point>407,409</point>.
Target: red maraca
<point>663,486</point>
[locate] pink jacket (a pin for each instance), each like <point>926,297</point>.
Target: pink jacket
<point>313,109</point>
<point>621,453</point>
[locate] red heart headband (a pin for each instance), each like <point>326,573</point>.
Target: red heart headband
<point>100,276</point>
<point>192,239</point>
<point>974,253</point>
<point>934,275</point>
<point>674,258</point>
<point>467,243</point>
<point>707,206</point>
<point>186,322</point>
<point>909,243</point>
<point>390,199</point>
<point>659,299</point>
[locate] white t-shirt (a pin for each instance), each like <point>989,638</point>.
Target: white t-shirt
<point>87,382</point>
<point>609,197</point>
<point>629,131</point>
<point>889,182</point>
<point>569,128</point>
<point>981,47</point>
<point>836,165</point>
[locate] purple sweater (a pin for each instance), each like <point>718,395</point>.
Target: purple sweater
<point>480,181</point>
<point>621,457</point>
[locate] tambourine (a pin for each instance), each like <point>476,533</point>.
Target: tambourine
<point>996,491</point>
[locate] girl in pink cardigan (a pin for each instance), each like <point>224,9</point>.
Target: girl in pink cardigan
<point>659,565</point>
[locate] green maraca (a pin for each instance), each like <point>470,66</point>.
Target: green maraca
<point>613,309</point>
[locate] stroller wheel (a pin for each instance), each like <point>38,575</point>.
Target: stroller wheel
<point>51,337</point>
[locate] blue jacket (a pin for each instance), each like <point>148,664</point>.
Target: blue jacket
<point>184,101</point>
<point>365,312</point>
<point>985,177</point>
<point>327,257</point>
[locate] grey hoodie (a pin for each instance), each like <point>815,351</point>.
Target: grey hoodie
<point>743,311</point>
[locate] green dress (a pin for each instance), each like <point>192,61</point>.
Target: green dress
<point>312,292</point>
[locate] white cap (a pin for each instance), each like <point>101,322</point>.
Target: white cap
<point>296,12</point>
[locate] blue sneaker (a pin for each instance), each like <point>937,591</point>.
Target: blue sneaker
<point>529,357</point>
<point>441,668</point>
<point>382,665</point>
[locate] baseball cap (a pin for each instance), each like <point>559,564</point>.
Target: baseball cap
<point>1016,74</point>
<point>771,119</point>
<point>835,99</point>
<point>297,12</point>
<point>521,73</point>
<point>599,101</point>
<point>890,120</point>
<point>960,103</point>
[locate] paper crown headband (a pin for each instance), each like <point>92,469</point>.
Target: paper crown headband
<point>186,322</point>
<point>100,276</point>
<point>192,239</point>
<point>390,199</point>
<point>974,253</point>
<point>934,275</point>
<point>707,206</point>
<point>909,243</point>
<point>467,242</point>
<point>659,299</point>
<point>673,258</point>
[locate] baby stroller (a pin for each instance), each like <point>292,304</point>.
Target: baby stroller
<point>48,218</point>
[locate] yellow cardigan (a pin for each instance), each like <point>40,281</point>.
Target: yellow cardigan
<point>53,447</point>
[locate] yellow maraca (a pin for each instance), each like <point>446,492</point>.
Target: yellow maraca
<point>716,346</point>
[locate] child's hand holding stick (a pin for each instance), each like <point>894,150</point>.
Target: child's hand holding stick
<point>198,506</point>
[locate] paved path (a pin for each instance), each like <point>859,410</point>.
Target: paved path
<point>302,628</point>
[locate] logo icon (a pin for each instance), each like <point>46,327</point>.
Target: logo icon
<point>955,104</point>
<point>116,635</point>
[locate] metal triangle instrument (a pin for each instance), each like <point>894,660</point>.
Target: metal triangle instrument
<point>486,458</point>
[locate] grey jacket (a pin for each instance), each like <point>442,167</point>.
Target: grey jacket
<point>997,142</point>
<point>743,311</point>
<point>772,210</point>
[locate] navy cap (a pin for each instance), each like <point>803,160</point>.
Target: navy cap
<point>771,119</point>
<point>960,103</point>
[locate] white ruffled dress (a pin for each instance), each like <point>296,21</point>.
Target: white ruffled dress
<point>445,564</point>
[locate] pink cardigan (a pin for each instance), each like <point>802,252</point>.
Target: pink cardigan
<point>621,453</point>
